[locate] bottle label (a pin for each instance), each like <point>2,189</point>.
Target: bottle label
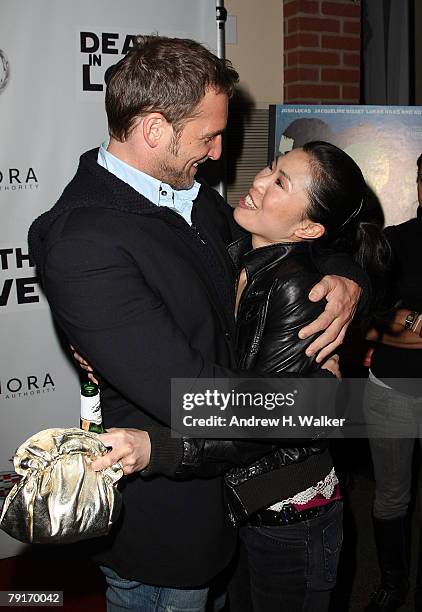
<point>91,409</point>
<point>93,427</point>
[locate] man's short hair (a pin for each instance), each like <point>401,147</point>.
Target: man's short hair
<point>165,75</point>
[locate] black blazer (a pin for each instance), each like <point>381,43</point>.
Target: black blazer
<point>137,292</point>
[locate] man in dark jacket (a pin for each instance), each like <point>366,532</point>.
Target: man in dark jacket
<point>133,261</point>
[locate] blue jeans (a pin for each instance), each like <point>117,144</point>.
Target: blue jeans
<point>123,595</point>
<point>293,568</point>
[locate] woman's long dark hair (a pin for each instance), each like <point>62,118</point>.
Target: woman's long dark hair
<point>337,199</point>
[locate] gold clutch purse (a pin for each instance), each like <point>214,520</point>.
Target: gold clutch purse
<point>59,499</point>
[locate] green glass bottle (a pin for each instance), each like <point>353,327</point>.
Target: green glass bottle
<point>91,417</point>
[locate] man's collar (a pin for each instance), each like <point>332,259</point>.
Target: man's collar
<point>154,190</point>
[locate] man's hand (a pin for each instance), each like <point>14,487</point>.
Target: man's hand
<point>130,447</point>
<point>84,365</point>
<point>342,295</point>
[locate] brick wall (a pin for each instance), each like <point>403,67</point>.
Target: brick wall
<point>321,51</point>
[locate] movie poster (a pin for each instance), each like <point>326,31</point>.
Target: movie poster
<point>385,141</point>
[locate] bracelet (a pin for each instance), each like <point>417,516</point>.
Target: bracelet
<point>410,319</point>
<point>416,323</point>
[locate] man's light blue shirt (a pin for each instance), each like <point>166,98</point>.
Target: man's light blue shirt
<point>160,194</point>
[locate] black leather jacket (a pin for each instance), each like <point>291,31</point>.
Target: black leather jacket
<point>273,308</point>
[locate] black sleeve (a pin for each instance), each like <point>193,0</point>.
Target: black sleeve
<point>341,264</point>
<point>289,309</point>
<point>181,458</point>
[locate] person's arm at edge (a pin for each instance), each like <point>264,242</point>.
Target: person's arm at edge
<point>395,334</point>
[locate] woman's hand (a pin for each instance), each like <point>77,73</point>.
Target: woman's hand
<point>84,365</point>
<point>333,365</point>
<point>342,295</point>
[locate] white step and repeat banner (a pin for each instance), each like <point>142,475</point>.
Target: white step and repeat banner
<point>53,56</point>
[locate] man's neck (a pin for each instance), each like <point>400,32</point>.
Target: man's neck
<point>131,156</point>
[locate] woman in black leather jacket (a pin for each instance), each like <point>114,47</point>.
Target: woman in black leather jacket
<point>288,500</point>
